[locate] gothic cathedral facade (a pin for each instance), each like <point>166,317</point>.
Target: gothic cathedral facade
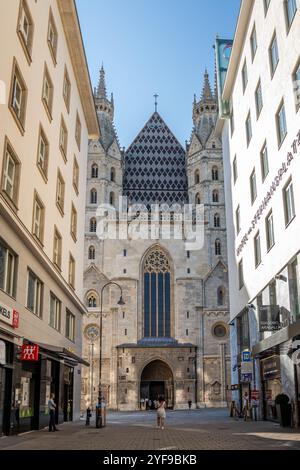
<point>171,336</point>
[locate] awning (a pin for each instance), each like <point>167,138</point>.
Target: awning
<point>63,353</point>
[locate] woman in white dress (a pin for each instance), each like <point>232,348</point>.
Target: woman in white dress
<point>161,413</point>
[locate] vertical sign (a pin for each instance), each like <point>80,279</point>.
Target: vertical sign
<point>223,50</point>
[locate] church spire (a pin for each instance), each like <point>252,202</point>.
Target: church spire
<point>206,92</point>
<point>101,91</point>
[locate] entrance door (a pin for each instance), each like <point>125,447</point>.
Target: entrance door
<point>154,379</point>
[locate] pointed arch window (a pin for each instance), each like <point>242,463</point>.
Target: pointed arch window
<point>197,199</point>
<point>215,173</point>
<point>221,296</point>
<point>112,175</point>
<point>217,221</point>
<point>92,252</point>
<point>94,172</point>
<point>93,225</point>
<point>157,295</point>
<point>93,196</point>
<point>218,247</point>
<point>215,196</point>
<point>92,301</point>
<point>197,177</point>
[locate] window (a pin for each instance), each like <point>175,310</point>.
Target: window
<point>270,231</point>
<point>197,177</point>
<point>215,195</point>
<point>93,225</point>
<point>25,29</point>
<point>47,93</point>
<point>258,99</point>
<point>38,218</point>
<point>290,11</point>
<point>220,296</point>
<point>94,172</point>
<point>55,312</point>
<point>93,196</point>
<point>241,274</point>
<point>112,199</point>
<point>188,254</point>
<point>238,220</point>
<point>218,248</point>
<point>217,221</point>
<point>125,332</point>
<point>35,294</point>
<point>78,131</point>
<point>60,192</point>
<point>248,129</point>
<point>281,124</point>
<point>234,170</point>
<point>67,90</point>
<point>272,293</point>
<point>289,203</point>
<point>92,301</point>
<point>8,269</point>
<point>57,248</point>
<point>273,55</point>
<point>231,118</point>
<point>253,187</point>
<point>52,37</point>
<point>157,294</point>
<point>63,139</point>
<point>72,271</point>
<point>76,175</point>
<point>296,83</point>
<point>257,249</point>
<point>253,42</point>
<point>243,331</point>
<point>70,326</point>
<point>197,199</point>
<point>264,162</point>
<point>112,174</point>
<point>73,222</point>
<point>43,153</point>
<point>245,76</point>
<point>92,252</point>
<point>18,97</point>
<point>215,173</point>
<point>10,174</point>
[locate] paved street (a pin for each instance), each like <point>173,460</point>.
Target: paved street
<point>185,430</point>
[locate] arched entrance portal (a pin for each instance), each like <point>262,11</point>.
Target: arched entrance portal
<point>157,380</point>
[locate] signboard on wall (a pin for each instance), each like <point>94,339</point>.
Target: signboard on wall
<point>271,367</point>
<point>9,315</point>
<point>30,352</point>
<point>269,318</point>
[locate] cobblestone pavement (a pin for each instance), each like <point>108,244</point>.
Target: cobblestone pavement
<point>185,430</point>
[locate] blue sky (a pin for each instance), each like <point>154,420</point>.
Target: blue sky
<point>150,46</point>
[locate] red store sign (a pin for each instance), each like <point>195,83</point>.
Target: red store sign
<point>30,352</point>
<point>9,315</point>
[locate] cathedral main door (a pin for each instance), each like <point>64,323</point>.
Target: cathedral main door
<point>157,381</point>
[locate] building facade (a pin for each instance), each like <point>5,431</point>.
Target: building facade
<point>260,152</point>
<point>47,116</point>
<point>171,336</point>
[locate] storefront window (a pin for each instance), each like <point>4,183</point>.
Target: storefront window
<point>243,335</point>
<point>24,397</point>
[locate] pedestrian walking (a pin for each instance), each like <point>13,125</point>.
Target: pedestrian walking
<point>246,408</point>
<point>51,409</point>
<point>161,413</point>
<point>190,404</point>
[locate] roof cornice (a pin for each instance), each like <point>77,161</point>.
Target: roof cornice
<point>70,21</point>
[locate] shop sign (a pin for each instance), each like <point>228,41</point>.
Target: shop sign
<point>2,353</point>
<point>255,394</point>
<point>269,318</point>
<point>271,367</point>
<point>30,352</point>
<point>246,367</point>
<point>246,378</point>
<point>9,315</point>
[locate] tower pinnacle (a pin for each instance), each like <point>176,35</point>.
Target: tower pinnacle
<point>206,92</point>
<point>101,91</point>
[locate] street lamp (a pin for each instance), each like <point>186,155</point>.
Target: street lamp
<point>120,302</point>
